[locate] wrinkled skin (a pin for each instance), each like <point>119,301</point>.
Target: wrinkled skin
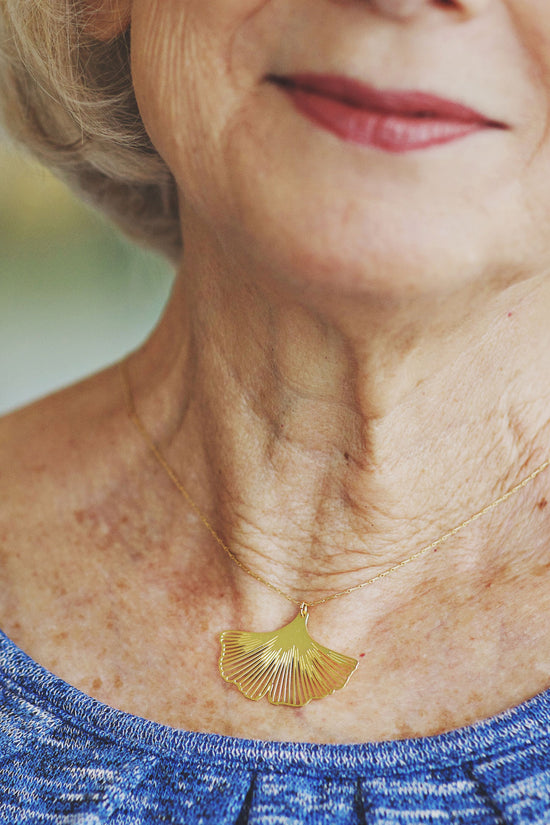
<point>255,171</point>
<point>355,358</point>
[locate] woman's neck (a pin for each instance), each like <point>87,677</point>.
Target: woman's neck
<point>328,443</point>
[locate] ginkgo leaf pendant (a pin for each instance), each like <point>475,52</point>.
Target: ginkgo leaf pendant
<point>287,665</point>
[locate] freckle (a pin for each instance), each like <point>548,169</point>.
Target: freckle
<point>79,516</point>
<point>346,456</point>
<point>542,504</point>
<point>97,684</point>
<point>38,468</point>
<point>118,681</point>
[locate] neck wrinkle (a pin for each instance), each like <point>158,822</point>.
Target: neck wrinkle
<point>323,458</point>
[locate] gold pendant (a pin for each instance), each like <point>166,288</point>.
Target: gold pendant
<point>287,665</point>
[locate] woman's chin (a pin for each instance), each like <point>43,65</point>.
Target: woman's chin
<point>350,225</point>
<point>371,257</point>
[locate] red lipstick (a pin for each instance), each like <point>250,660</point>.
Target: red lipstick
<point>394,121</point>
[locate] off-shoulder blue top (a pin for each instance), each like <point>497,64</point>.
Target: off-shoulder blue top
<point>68,759</point>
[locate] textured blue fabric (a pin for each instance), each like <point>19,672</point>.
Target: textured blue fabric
<point>66,758</point>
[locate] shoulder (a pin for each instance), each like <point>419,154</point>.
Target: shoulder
<point>58,457</point>
<point>49,443</point>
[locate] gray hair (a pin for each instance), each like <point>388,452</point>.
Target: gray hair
<point>69,99</point>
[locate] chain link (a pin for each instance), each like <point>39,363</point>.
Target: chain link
<point>134,416</point>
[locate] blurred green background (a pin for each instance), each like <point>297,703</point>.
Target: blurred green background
<point>74,294</point>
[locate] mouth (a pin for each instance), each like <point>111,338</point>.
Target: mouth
<point>393,121</point>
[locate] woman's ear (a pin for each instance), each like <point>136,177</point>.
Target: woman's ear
<point>106,19</point>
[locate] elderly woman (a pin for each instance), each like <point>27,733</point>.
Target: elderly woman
<point>321,483</point>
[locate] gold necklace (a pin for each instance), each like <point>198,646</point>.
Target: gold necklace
<point>288,665</point>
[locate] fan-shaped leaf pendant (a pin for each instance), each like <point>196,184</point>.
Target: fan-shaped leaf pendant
<point>287,665</point>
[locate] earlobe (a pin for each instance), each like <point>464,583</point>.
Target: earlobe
<point>106,19</point>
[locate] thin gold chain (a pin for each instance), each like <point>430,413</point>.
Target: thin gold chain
<point>134,416</point>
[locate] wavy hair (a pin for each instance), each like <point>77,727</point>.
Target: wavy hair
<point>69,99</point>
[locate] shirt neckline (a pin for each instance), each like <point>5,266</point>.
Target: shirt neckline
<point>519,728</point>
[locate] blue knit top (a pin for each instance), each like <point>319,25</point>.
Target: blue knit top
<point>68,759</point>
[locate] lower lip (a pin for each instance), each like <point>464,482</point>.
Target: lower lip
<point>387,131</point>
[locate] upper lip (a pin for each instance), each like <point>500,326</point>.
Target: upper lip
<point>409,103</point>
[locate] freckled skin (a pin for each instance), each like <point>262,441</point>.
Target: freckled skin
<point>337,379</point>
